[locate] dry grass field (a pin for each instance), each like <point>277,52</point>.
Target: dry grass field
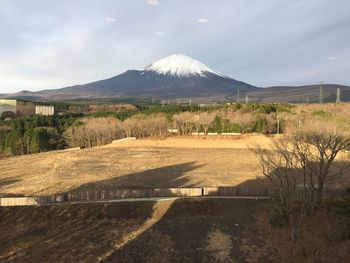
<point>171,162</point>
<point>215,230</point>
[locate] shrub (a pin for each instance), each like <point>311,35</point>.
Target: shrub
<point>343,203</point>
<point>260,125</point>
<point>322,114</point>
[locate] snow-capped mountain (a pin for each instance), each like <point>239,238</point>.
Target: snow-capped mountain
<point>180,66</point>
<point>174,77</point>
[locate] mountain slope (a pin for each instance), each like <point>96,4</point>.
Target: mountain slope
<point>176,76</point>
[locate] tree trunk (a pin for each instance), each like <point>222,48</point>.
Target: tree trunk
<point>294,231</point>
<point>318,199</point>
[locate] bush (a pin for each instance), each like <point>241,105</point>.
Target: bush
<point>39,141</point>
<point>233,127</point>
<point>278,215</point>
<point>322,114</point>
<point>343,203</point>
<point>260,125</point>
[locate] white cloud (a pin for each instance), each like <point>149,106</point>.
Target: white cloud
<point>202,20</point>
<point>159,33</point>
<point>312,72</point>
<point>110,19</point>
<point>331,58</point>
<point>152,2</point>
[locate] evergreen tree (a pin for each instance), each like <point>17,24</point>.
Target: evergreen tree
<point>39,141</point>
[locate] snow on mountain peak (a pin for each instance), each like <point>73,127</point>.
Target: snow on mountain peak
<point>181,66</point>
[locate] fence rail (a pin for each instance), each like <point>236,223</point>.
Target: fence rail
<point>113,194</point>
<point>109,194</point>
<point>32,200</point>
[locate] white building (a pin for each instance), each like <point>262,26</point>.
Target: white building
<point>45,110</point>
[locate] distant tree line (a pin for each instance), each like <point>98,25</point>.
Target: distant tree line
<point>33,134</point>
<point>93,131</point>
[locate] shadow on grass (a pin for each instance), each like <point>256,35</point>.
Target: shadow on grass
<point>189,227</point>
<point>169,231</point>
<point>74,233</point>
<point>67,233</point>
<point>166,176</point>
<point>333,182</point>
<point>8,181</point>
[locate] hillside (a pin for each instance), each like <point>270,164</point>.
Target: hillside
<point>300,93</point>
<point>215,230</point>
<point>118,232</point>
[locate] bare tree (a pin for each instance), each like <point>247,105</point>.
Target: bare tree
<point>184,122</point>
<point>316,153</point>
<point>142,125</point>
<point>205,120</point>
<point>279,168</point>
<point>93,131</point>
<point>298,167</point>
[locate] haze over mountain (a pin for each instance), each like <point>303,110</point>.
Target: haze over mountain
<point>180,78</point>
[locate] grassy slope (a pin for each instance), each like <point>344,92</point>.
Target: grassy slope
<point>323,237</point>
<point>170,231</point>
<point>215,230</point>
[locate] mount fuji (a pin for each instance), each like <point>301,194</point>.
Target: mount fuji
<point>176,77</point>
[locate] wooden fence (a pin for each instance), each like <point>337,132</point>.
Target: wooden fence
<point>113,194</point>
<point>32,200</point>
<point>235,191</point>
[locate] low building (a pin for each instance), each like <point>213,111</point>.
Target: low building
<point>45,110</point>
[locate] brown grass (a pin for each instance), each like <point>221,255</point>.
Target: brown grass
<point>184,230</point>
<point>321,238</point>
<point>220,246</point>
<point>172,162</point>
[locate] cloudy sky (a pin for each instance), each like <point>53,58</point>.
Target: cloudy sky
<point>48,44</point>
